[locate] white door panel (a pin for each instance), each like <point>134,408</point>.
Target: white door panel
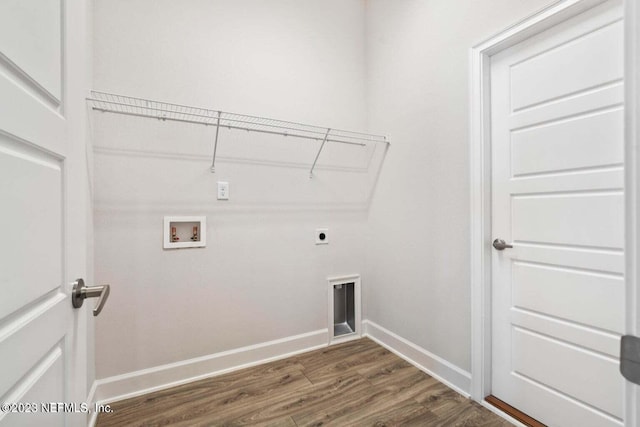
<point>582,258</point>
<point>45,383</point>
<point>43,346</point>
<point>559,71</point>
<point>36,332</point>
<point>558,196</point>
<point>32,235</point>
<point>35,312</point>
<point>21,109</point>
<point>603,342</point>
<point>574,371</point>
<point>566,410</point>
<point>597,178</point>
<point>31,40</point>
<point>569,294</point>
<point>603,97</point>
<point>595,219</point>
<point>580,142</point>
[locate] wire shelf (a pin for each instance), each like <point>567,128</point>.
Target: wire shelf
<point>140,107</point>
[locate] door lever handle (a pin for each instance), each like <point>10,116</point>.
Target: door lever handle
<point>81,292</point>
<point>501,245</point>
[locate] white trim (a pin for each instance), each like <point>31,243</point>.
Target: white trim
<point>502,414</point>
<point>447,373</point>
<point>341,280</point>
<point>480,171</point>
<point>632,191</point>
<point>136,383</point>
<point>91,401</point>
<point>480,224</point>
<point>536,23</point>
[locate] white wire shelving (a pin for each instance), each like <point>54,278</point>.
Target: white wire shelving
<point>140,107</point>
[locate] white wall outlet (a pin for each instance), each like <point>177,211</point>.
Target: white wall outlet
<point>322,236</point>
<point>223,190</point>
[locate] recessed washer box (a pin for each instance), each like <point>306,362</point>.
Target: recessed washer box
<point>185,232</point>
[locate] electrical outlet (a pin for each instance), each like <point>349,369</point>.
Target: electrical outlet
<point>322,236</point>
<point>223,190</point>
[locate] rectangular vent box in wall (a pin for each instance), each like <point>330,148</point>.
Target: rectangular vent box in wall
<point>184,232</point>
<point>344,308</point>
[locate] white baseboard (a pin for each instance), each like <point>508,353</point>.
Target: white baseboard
<point>91,400</point>
<point>136,383</point>
<point>445,372</point>
<point>501,414</point>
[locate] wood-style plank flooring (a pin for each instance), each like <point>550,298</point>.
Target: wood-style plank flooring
<point>357,383</point>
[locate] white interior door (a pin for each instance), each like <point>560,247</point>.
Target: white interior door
<point>558,305</point>
<point>43,211</point>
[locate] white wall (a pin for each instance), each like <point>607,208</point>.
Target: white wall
<point>417,264</point>
<point>260,277</point>
<point>397,67</point>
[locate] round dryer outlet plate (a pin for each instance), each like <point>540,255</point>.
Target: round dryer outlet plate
<point>322,236</point>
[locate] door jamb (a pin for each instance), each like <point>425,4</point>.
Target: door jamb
<point>480,174</point>
<point>632,191</point>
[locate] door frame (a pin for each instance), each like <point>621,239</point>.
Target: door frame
<point>480,175</point>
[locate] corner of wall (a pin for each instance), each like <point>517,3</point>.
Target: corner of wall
<point>447,373</point>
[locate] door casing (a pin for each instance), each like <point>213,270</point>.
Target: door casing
<point>480,167</point>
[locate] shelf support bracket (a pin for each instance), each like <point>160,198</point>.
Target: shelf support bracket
<point>326,136</point>
<point>215,144</point>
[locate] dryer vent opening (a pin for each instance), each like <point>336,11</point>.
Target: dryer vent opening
<point>344,320</point>
<point>344,309</point>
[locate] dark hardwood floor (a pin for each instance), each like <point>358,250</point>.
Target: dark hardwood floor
<point>358,383</point>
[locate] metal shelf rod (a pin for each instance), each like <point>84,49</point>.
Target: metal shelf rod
<point>139,107</point>
<point>313,138</point>
<point>319,151</point>
<point>320,129</point>
<point>215,145</point>
<point>222,119</point>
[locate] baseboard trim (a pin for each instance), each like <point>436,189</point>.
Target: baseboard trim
<point>501,414</point>
<point>440,369</point>
<point>91,401</point>
<point>512,412</point>
<point>136,383</point>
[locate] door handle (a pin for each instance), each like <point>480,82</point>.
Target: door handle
<point>501,245</point>
<point>81,292</point>
<point>630,358</point>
